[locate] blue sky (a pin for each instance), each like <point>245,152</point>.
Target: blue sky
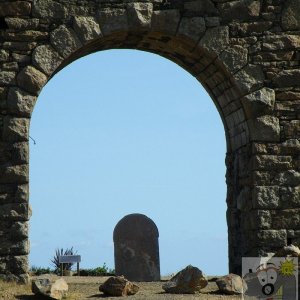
<point>120,132</point>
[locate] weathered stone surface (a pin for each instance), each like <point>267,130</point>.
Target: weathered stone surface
<point>86,28</point>
<point>49,9</point>
<point>15,211</point>
<point>250,78</point>
<point>273,238</point>
<point>20,153</point>
<point>15,129</point>
<point>252,28</point>
<point>165,21</point>
<point>289,178</point>
<point>20,102</point>
<point>10,66</point>
<point>50,287</point>
<point>15,8</point>
<point>139,15</point>
<point>64,40</point>
<point>22,59</point>
<point>192,28</point>
<point>113,20</point>
<point>287,78</point>
<point>15,247</point>
<point>118,286</point>
<point>274,56</point>
<point>3,96</point>
<point>265,197</point>
<point>215,39</point>
<point>22,24</point>
<point>234,58</point>
<point>292,129</point>
<point>203,8</point>
<point>20,230</point>
<point>17,263</point>
<point>290,19</point>
<point>259,102</point>
<point>28,35</point>
<point>212,21</point>
<point>19,46</point>
<point>187,281</point>
<point>261,219</point>
<point>279,42</point>
<point>4,55</point>
<point>287,218</point>
<point>262,178</point>
<point>46,59</point>
<point>32,80</point>
<point>243,200</point>
<point>239,10</point>
<point>136,248</point>
<point>265,129</point>
<point>230,284</point>
<point>7,77</point>
<point>289,197</point>
<point>271,162</point>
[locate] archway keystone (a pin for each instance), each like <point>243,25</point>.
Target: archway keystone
<point>245,53</point>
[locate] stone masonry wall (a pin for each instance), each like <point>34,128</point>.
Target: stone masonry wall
<point>244,52</point>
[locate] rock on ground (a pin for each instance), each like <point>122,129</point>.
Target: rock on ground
<point>49,287</point>
<point>187,281</point>
<point>230,284</point>
<point>118,286</point>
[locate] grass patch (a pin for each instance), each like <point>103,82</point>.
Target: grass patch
<point>11,290</point>
<point>14,291</point>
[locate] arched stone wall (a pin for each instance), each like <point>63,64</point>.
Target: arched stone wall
<point>245,53</point>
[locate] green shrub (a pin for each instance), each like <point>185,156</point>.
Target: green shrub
<point>40,271</point>
<point>99,271</point>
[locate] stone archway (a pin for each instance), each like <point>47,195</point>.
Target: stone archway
<point>245,53</point>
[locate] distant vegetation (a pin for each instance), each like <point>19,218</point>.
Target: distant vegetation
<point>98,271</point>
<point>40,271</point>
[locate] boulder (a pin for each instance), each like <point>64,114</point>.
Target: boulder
<point>50,287</point>
<point>230,284</point>
<point>118,286</point>
<point>187,281</point>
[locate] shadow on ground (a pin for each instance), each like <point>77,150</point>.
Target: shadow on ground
<point>30,297</point>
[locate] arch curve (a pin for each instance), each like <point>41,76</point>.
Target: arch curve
<point>216,69</point>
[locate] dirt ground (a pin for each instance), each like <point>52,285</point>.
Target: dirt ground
<point>148,290</point>
<point>87,288</point>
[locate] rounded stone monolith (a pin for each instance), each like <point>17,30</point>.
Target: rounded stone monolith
<point>136,248</point>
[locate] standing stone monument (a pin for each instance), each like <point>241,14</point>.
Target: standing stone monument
<point>136,248</point>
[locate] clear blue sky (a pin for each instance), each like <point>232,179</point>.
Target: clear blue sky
<point>122,132</point>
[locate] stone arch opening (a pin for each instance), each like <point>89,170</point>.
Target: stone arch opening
<point>203,38</point>
<point>197,193</point>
